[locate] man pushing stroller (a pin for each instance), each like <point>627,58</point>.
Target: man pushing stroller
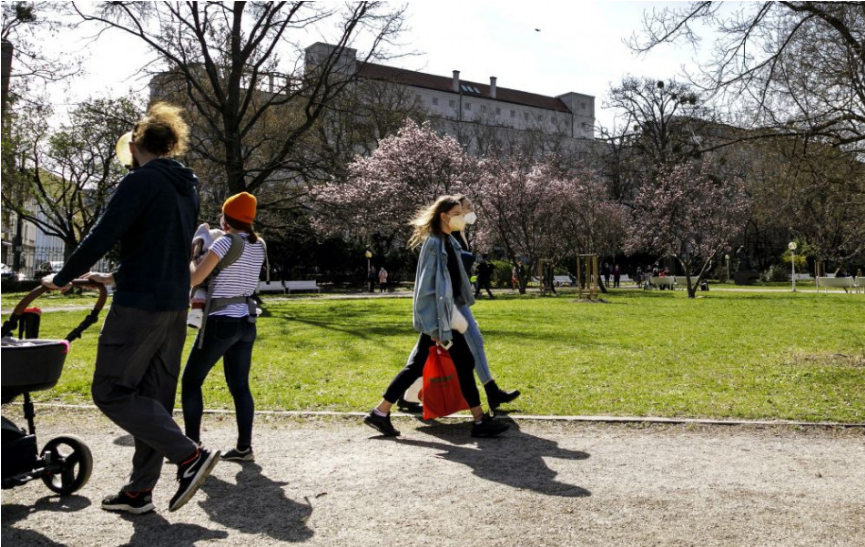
<point>153,215</point>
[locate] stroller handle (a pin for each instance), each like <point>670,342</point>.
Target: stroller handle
<point>28,299</point>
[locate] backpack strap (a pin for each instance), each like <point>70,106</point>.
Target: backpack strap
<point>234,252</point>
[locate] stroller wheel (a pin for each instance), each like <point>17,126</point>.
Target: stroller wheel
<point>68,464</point>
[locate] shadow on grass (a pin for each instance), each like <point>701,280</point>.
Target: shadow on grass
<point>256,505</point>
<point>516,459</point>
<point>12,514</point>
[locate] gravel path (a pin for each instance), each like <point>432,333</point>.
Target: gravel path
<point>332,482</point>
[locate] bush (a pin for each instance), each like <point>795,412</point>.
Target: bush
<point>502,274</point>
<point>778,272</point>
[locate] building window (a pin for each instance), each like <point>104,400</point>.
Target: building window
<point>452,103</point>
<point>525,115</point>
<point>583,106</point>
<point>435,101</point>
<point>513,113</point>
<point>467,106</point>
<point>498,111</point>
<point>483,108</point>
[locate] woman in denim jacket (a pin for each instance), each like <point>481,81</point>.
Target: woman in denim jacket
<point>440,286</point>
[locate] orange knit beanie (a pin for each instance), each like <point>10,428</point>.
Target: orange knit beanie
<point>240,207</point>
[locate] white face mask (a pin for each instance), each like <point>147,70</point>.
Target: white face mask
<point>457,223</point>
<point>471,218</point>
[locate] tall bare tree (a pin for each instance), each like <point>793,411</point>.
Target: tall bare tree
<point>241,68</point>
<point>796,66</point>
<point>68,175</point>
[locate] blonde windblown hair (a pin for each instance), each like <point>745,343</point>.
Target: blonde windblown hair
<point>428,221</point>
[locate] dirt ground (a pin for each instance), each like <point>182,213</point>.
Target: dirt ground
<point>333,482</point>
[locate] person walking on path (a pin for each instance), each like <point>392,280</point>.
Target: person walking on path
<point>153,215</point>
<point>617,276</point>
<point>229,331</point>
<point>485,274</point>
<point>441,284</point>
<point>382,279</point>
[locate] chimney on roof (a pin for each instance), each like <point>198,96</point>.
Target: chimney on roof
<point>493,87</point>
<point>456,81</point>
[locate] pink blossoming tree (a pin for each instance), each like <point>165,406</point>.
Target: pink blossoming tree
<point>687,213</point>
<point>383,191</point>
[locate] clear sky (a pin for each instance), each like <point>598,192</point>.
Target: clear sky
<point>578,46</point>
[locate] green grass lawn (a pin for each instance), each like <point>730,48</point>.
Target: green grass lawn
<point>730,355</point>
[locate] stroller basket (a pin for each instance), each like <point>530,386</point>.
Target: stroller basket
<point>33,364</point>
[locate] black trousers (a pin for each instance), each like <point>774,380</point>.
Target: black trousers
<point>463,361</point>
<point>484,284</point>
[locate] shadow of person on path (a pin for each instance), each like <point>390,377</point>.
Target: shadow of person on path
<point>152,529</point>
<point>13,513</point>
<point>256,505</point>
<point>516,459</point>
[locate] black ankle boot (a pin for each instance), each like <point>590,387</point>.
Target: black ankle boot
<point>495,395</point>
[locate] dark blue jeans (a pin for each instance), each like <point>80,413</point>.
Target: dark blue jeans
<point>230,338</point>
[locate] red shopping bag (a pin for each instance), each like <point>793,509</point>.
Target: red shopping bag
<point>441,394</point>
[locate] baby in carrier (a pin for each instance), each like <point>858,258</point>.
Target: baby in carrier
<point>201,242</point>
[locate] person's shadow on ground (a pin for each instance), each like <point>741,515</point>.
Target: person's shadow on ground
<point>256,505</point>
<point>152,529</point>
<point>516,459</point>
<point>13,513</point>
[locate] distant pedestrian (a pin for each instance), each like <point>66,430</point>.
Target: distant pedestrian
<point>485,273</point>
<point>382,279</point>
<point>617,276</point>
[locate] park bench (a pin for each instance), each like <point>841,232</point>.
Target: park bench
<point>271,286</point>
<point>306,285</point>
<point>625,278</point>
<point>803,277</point>
<point>837,282</point>
<point>561,280</point>
<point>659,282</point>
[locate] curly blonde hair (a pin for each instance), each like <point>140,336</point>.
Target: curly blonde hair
<point>428,221</point>
<point>162,131</point>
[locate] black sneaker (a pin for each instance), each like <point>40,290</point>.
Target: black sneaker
<point>489,427</point>
<point>235,455</point>
<point>136,503</point>
<point>408,406</point>
<point>191,475</point>
<point>381,423</point>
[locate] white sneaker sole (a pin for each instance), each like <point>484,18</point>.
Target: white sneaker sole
<point>129,509</point>
<point>196,483</point>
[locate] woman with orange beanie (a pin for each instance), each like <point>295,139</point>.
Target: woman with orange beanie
<point>229,329</point>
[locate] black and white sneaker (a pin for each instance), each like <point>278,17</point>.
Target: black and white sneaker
<point>136,503</point>
<point>235,455</point>
<point>191,475</point>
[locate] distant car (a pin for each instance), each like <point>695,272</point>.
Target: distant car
<point>47,268</point>
<point>8,274</point>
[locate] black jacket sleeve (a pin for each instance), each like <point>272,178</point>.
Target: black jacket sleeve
<point>132,195</point>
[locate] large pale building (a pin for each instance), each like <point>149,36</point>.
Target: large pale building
<point>453,99</point>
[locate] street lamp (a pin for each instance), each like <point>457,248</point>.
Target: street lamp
<point>792,247</point>
<point>727,258</point>
<point>368,255</point>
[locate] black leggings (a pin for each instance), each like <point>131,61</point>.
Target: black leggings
<point>463,361</point>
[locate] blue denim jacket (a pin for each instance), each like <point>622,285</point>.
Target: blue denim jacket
<point>433,292</point>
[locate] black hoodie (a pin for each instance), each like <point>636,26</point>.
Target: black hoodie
<point>153,214</point>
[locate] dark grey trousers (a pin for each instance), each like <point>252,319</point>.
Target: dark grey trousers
<point>135,382</point>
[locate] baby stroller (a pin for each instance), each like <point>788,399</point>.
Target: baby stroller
<point>65,463</point>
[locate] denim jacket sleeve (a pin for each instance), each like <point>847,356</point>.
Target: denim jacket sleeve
<point>433,298</point>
